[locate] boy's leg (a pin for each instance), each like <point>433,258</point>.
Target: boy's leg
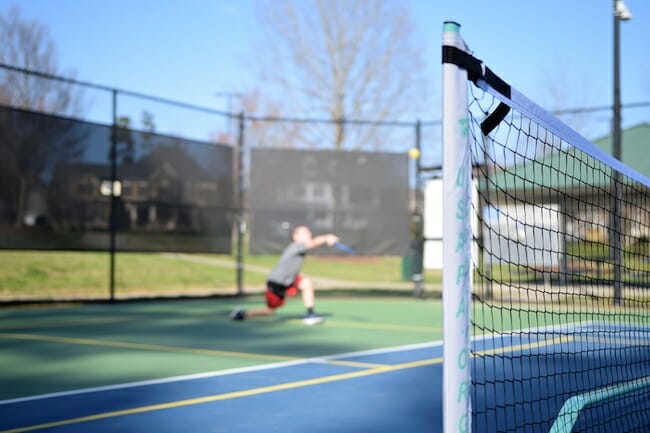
<point>307,289</point>
<point>240,314</point>
<point>273,301</point>
<point>266,311</point>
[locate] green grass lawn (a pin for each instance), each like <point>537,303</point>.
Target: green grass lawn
<point>54,273</point>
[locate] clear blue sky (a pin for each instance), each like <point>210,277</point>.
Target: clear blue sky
<point>188,50</point>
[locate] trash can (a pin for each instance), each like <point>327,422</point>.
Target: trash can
<point>407,266</point>
<point>412,260</point>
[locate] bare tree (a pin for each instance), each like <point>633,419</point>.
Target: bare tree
<point>564,90</point>
<point>268,133</point>
<point>338,60</point>
<point>31,145</point>
<point>27,44</point>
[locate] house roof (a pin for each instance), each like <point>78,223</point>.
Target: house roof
<point>181,164</point>
<point>561,171</point>
<point>635,147</point>
<point>175,161</point>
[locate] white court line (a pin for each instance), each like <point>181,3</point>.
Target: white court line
<point>232,371</point>
<point>283,364</point>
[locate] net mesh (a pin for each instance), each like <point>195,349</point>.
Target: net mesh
<point>561,299</point>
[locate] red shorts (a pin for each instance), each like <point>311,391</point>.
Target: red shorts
<point>274,300</point>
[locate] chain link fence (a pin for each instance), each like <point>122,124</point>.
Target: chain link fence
<point>132,195</point>
<point>128,174</point>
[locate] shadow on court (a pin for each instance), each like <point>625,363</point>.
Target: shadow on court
<point>184,366</point>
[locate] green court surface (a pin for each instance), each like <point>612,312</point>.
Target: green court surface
<point>54,349</point>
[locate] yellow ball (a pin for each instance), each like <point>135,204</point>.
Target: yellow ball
<point>414,153</point>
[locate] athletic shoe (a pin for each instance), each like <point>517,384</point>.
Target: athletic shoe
<point>312,319</point>
<point>237,314</point>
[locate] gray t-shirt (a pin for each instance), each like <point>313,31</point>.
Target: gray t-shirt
<point>289,265</point>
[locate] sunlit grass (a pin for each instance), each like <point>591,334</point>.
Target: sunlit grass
<point>52,273</point>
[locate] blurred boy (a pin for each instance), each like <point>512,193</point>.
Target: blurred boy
<point>285,278</point>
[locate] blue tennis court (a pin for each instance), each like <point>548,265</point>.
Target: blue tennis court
<point>383,390</point>
<point>380,390</point>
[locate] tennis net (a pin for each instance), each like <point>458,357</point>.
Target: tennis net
<point>546,280</point>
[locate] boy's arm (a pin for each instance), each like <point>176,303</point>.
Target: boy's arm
<point>317,241</point>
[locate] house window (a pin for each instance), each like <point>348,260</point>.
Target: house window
<point>127,190</point>
<point>142,190</point>
<point>105,188</point>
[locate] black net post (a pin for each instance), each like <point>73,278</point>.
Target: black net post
<point>241,225</point>
<point>615,225</point>
<point>418,243</point>
<point>113,206</point>
<point>615,243</point>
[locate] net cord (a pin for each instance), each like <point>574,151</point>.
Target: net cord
<point>491,83</point>
<point>524,105</point>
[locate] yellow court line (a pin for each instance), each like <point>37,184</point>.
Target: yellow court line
<point>62,323</point>
<point>520,347</point>
<point>378,326</point>
<point>143,346</point>
<point>227,396</point>
<point>615,340</point>
<point>155,347</point>
<point>266,389</point>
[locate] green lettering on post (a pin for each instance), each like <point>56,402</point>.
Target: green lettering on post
<point>463,424</point>
<point>463,357</point>
<point>461,308</point>
<point>463,127</point>
<point>461,212</point>
<point>460,177</point>
<point>463,391</point>
<point>462,240</point>
<point>461,273</point>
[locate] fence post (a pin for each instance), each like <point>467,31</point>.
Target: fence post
<point>113,206</point>
<point>241,224</point>
<point>418,272</point>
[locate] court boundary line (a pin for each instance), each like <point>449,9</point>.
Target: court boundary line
<point>374,326</point>
<point>259,390</point>
<point>227,372</point>
<point>141,346</point>
<point>344,363</point>
<point>62,323</point>
<point>227,396</point>
<point>297,361</point>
